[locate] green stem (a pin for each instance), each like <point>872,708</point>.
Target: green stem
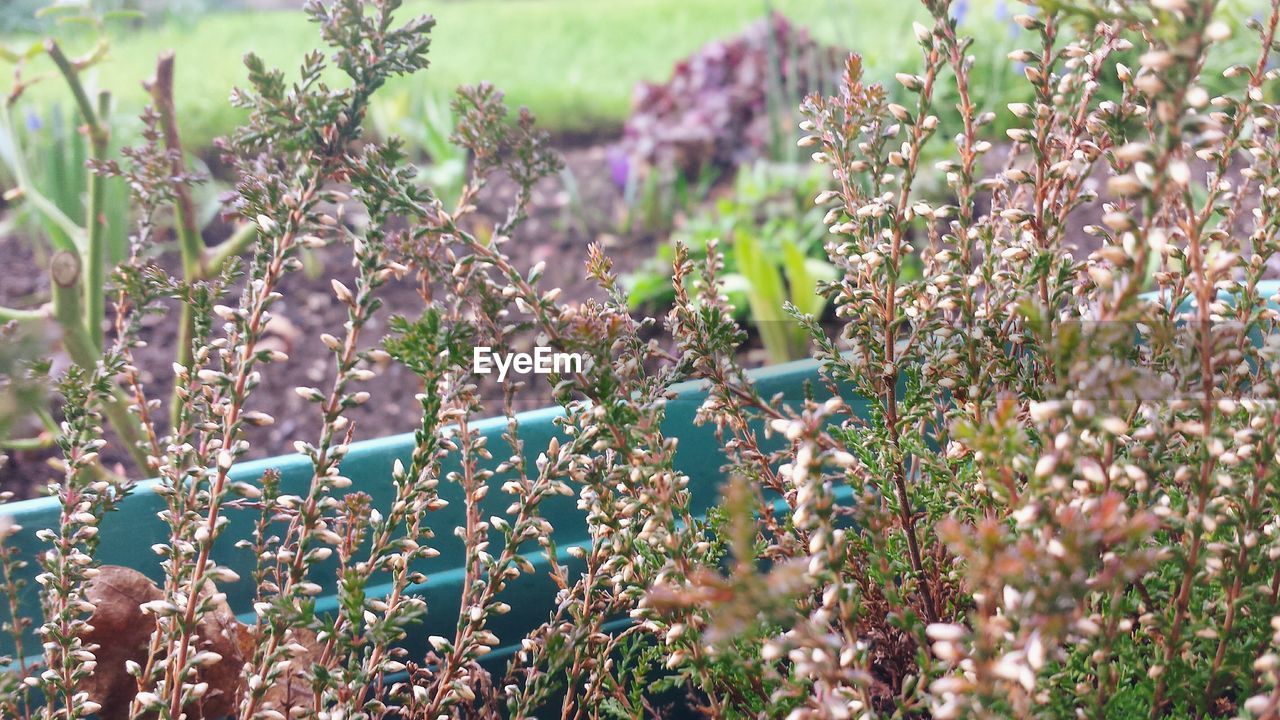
<point>46,419</point>
<point>65,273</point>
<point>241,239</point>
<point>95,284</point>
<point>8,314</point>
<point>66,276</point>
<point>95,252</point>
<point>23,444</point>
<point>70,73</point>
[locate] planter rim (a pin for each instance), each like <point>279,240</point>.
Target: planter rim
<point>255,468</point>
<point>136,525</point>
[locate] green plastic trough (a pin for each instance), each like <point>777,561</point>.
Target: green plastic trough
<point>128,534</point>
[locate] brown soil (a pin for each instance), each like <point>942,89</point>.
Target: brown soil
<point>564,219</point>
<point>558,231</point>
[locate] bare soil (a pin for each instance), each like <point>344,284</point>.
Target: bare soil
<point>560,227</point>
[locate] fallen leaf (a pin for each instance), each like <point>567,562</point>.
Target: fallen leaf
<point>219,631</point>
<point>121,632</point>
<point>293,689</point>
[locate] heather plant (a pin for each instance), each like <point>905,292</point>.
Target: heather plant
<point>1033,488</point>
<point>1036,478</point>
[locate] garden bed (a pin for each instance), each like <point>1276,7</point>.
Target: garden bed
<point>561,225</point>
<point>567,214</point>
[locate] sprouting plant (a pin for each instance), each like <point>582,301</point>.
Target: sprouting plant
<point>86,237</point>
<point>773,201</point>
<point>424,122</point>
<point>777,236</point>
<point>773,292</point>
<point>656,201</point>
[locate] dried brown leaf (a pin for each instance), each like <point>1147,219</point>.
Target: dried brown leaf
<point>121,632</point>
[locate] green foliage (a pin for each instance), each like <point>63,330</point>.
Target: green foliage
<point>424,122</point>
<point>774,293</point>
<point>657,201</point>
<point>776,232</point>
<point>57,155</point>
<point>994,504</point>
<point>772,201</point>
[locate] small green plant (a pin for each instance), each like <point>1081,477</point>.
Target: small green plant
<point>774,293</point>
<point>776,234</point>
<point>78,206</point>
<point>424,122</point>
<point>657,201</point>
<point>772,201</point>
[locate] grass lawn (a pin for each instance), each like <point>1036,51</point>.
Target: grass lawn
<point>574,62</point>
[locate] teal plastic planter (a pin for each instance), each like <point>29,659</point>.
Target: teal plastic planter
<point>128,534</point>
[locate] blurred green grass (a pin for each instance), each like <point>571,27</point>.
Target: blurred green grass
<point>573,62</point>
